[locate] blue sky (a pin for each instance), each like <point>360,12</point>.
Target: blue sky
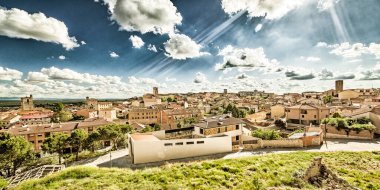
<point>105,48</point>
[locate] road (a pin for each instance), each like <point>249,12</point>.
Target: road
<point>330,146</point>
<point>106,158</point>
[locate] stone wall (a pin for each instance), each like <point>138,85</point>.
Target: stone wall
<point>282,143</point>
<point>333,132</point>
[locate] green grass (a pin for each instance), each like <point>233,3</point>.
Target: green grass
<point>361,169</point>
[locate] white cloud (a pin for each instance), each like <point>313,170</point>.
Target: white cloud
<point>167,79</point>
<point>137,42</point>
<point>152,48</point>
<point>258,27</point>
<point>326,4</point>
<point>180,46</point>
<point>244,58</point>
<point>16,23</point>
<point>330,75</point>
<point>83,42</point>
<point>295,73</point>
<point>37,77</point>
<point>352,51</point>
<point>158,16</point>
<point>242,76</point>
<point>200,78</point>
<point>271,9</point>
<point>135,80</point>
<point>61,57</point>
<point>114,55</point>
<point>370,74</point>
<point>9,74</point>
<point>310,59</point>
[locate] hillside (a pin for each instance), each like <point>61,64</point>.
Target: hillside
<point>361,169</point>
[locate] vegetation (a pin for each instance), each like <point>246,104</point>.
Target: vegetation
<point>327,99</point>
<point>77,140</point>
<point>280,123</point>
<point>148,128</point>
<point>349,124</point>
<point>296,131</point>
<point>187,122</point>
<point>14,153</point>
<point>235,111</point>
<point>3,183</point>
<point>361,169</point>
<point>56,144</point>
<point>266,134</point>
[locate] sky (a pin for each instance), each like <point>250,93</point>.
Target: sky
<point>122,48</point>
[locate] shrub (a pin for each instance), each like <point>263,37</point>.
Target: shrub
<point>3,183</point>
<point>266,134</point>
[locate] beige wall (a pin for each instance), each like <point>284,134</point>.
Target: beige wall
<point>155,151</point>
<point>375,119</point>
<point>348,94</point>
<point>277,111</point>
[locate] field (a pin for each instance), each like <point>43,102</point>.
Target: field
<point>361,169</point>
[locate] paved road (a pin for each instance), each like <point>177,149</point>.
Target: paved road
<point>330,146</point>
<point>106,158</point>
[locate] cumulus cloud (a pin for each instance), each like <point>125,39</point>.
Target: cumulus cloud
<point>294,73</point>
<point>37,77</point>
<point>137,42</point>
<point>61,57</point>
<point>157,16</point>
<point>16,23</point>
<point>7,74</point>
<point>180,46</point>
<point>242,76</point>
<point>370,74</point>
<point>135,80</point>
<point>152,48</point>
<point>352,51</point>
<point>244,58</point>
<point>114,55</point>
<point>200,78</point>
<point>329,75</point>
<point>83,42</point>
<point>270,9</point>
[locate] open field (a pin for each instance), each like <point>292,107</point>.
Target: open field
<point>361,169</point>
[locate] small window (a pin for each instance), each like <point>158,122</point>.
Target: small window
<point>201,131</point>
<point>218,130</point>
<point>168,144</point>
<point>237,138</point>
<point>189,142</point>
<point>237,127</point>
<point>40,141</point>
<point>179,143</point>
<point>200,142</point>
<point>303,116</point>
<point>315,116</point>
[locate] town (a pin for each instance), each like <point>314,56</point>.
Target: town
<point>163,127</point>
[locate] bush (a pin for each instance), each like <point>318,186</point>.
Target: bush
<point>266,134</point>
<point>3,183</point>
<point>350,124</point>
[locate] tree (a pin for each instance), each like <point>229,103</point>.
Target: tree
<point>56,144</point>
<point>327,99</point>
<point>92,139</point>
<point>115,133</point>
<point>14,152</point>
<point>279,123</point>
<point>336,115</point>
<point>65,116</point>
<point>266,134</point>
<point>58,107</point>
<point>77,140</point>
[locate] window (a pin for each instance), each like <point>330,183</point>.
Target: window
<point>168,144</point>
<point>40,141</point>
<point>201,131</point>
<point>237,138</point>
<point>237,127</point>
<point>218,130</point>
<point>189,142</point>
<point>315,116</point>
<point>303,116</point>
<point>200,142</point>
<point>179,143</point>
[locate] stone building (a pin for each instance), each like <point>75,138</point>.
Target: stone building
<point>306,114</point>
<point>27,103</point>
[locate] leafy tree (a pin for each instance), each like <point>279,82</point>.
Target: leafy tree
<point>58,107</point>
<point>56,144</point>
<point>77,140</point>
<point>279,123</point>
<point>266,134</point>
<point>65,116</point>
<point>336,115</point>
<point>327,99</point>
<point>115,133</point>
<point>3,183</point>
<point>363,120</point>
<point>77,117</point>
<point>14,152</point>
<point>92,139</point>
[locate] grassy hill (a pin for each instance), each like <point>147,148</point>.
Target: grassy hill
<point>361,169</point>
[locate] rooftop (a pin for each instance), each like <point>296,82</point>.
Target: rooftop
<point>143,137</point>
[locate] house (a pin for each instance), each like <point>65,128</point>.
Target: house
<point>277,112</point>
<point>107,114</point>
<point>304,114</point>
<point>87,113</point>
<point>34,119</point>
<point>145,116</point>
<point>170,118</point>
